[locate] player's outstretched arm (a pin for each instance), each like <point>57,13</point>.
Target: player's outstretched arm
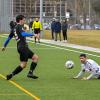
<point>26,34</point>
<point>6,43</point>
<point>90,76</point>
<point>81,73</point>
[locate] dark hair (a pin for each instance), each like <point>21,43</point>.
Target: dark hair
<point>12,24</point>
<point>19,17</point>
<point>83,55</point>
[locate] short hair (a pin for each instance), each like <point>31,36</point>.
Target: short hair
<point>19,17</point>
<point>83,55</point>
<point>12,24</point>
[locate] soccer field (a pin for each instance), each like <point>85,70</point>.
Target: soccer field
<point>81,37</point>
<point>55,81</point>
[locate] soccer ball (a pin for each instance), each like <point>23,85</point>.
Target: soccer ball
<point>26,27</point>
<point>69,64</point>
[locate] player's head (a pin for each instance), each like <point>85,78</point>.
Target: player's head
<point>83,58</point>
<point>37,19</point>
<point>57,20</point>
<point>64,20</point>
<point>53,19</point>
<point>20,19</point>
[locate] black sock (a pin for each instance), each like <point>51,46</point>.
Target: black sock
<point>35,39</point>
<point>17,70</point>
<point>32,67</point>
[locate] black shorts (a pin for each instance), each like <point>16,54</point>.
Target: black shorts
<point>37,31</point>
<point>25,53</point>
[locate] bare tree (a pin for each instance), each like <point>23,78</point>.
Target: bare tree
<point>96,6</point>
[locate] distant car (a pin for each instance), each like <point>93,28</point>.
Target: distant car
<point>88,27</point>
<point>97,26</point>
<point>46,26</point>
<point>75,26</point>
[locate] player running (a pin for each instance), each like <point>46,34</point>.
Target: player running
<point>23,50</point>
<point>11,35</point>
<point>88,65</point>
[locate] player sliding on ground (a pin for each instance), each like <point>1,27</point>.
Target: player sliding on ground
<point>23,50</point>
<point>90,66</point>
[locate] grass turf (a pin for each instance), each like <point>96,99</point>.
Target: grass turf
<point>55,81</point>
<point>81,37</point>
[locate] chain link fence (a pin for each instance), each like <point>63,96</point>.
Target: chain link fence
<point>80,11</point>
<point>5,15</point>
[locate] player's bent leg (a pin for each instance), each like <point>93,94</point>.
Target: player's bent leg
<point>23,64</point>
<point>35,58</point>
<point>33,66</point>
<point>17,70</point>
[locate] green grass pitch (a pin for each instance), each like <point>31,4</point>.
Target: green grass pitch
<point>55,81</point>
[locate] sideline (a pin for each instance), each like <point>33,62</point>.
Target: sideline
<point>76,51</point>
<point>50,45</point>
<point>58,43</point>
<point>21,88</point>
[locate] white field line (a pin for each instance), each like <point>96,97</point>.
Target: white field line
<point>34,48</point>
<point>66,49</point>
<point>76,51</point>
<point>11,94</point>
<point>9,47</point>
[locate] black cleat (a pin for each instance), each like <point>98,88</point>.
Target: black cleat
<point>9,76</point>
<point>35,42</point>
<point>98,77</point>
<point>32,76</point>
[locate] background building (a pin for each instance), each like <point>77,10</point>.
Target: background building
<point>80,11</point>
<point>31,8</point>
<point>5,14</point>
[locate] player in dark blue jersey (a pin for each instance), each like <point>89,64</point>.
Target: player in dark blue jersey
<point>11,35</point>
<point>23,50</point>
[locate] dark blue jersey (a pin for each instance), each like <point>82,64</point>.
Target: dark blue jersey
<point>21,35</point>
<point>21,39</point>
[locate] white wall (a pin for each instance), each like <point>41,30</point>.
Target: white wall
<point>5,15</point>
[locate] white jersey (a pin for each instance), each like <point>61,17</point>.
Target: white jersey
<point>91,66</point>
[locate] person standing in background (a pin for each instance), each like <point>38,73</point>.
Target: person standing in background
<point>37,27</point>
<point>57,29</point>
<point>52,28</point>
<point>64,30</point>
<point>30,25</point>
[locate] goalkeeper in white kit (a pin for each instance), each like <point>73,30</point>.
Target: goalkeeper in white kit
<point>90,66</point>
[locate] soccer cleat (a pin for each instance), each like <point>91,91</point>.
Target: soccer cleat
<point>3,49</point>
<point>9,76</point>
<point>38,41</point>
<point>32,76</point>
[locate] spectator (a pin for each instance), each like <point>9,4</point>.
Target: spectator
<point>64,30</point>
<point>30,25</point>
<point>57,29</point>
<point>52,28</point>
